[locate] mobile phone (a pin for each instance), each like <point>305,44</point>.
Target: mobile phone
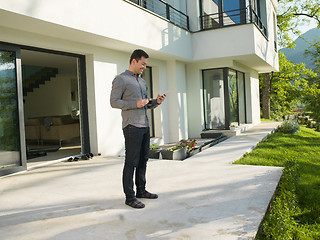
<point>150,102</point>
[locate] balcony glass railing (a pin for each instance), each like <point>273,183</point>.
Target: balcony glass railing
<point>165,10</point>
<point>233,17</point>
<point>207,21</point>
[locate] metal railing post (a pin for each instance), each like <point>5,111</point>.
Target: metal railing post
<point>250,9</point>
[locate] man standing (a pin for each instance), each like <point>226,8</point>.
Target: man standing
<point>130,94</point>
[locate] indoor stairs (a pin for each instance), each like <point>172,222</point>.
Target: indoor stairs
<point>40,77</point>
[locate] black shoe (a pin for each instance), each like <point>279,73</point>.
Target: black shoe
<point>135,203</point>
<point>146,194</point>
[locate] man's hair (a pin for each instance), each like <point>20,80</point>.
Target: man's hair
<point>137,54</point>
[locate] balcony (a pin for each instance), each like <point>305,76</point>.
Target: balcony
<point>166,11</point>
<point>233,17</point>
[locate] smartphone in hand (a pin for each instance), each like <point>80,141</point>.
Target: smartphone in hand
<point>150,102</point>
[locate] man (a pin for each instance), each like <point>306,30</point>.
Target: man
<point>130,94</point>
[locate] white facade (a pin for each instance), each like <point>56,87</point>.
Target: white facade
<point>107,32</point>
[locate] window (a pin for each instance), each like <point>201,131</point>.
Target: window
<point>275,32</point>
<point>233,97</point>
<point>213,96</point>
<point>224,98</point>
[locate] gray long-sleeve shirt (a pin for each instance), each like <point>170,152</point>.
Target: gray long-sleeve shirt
<point>127,89</point>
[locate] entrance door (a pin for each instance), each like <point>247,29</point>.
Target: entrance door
<point>214,99</point>
<point>12,147</point>
<point>55,105</point>
<point>224,98</point>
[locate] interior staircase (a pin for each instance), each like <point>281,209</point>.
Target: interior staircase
<point>33,81</point>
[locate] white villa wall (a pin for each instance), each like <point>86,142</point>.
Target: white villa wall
<point>177,101</point>
<point>100,27</point>
<point>102,20</point>
<point>255,98</point>
<point>107,64</point>
<point>193,11</point>
<point>92,28</point>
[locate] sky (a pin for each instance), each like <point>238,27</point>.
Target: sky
<point>307,27</point>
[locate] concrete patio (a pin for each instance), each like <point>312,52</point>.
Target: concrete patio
<point>203,197</point>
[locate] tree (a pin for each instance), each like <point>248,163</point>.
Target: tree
<point>287,86</point>
<point>312,92</point>
<point>266,90</point>
<point>314,51</point>
<point>291,14</point>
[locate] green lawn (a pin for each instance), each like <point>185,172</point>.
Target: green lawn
<point>295,211</point>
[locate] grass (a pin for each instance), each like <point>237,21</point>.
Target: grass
<point>295,211</point>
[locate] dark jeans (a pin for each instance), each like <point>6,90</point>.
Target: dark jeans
<point>137,144</point>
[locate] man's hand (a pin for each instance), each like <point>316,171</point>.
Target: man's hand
<point>141,103</point>
<point>161,98</point>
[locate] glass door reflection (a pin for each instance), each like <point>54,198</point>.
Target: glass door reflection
<point>214,102</point>
<point>10,140</point>
<point>233,97</point>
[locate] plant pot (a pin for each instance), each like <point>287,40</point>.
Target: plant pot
<point>193,152</point>
<point>179,154</point>
<point>154,154</point>
<point>232,128</point>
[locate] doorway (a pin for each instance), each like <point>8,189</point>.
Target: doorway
<point>48,115</point>
<point>224,98</point>
<point>51,105</point>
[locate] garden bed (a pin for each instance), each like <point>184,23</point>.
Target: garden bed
<point>172,151</point>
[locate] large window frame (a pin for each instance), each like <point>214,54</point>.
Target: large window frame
<point>19,96</point>
<point>148,79</point>
<point>240,115</point>
<point>83,101</point>
<point>83,95</point>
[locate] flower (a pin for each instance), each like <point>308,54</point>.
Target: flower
<point>191,143</point>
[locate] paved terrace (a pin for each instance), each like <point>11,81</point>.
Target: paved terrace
<point>203,197</point>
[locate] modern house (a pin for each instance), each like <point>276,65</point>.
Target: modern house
<point>58,60</point>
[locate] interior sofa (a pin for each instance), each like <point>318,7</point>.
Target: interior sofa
<point>55,128</point>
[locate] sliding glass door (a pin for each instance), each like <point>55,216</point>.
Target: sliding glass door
<point>214,103</point>
<point>12,147</point>
<point>223,98</point>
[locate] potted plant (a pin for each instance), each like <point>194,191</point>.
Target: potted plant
<point>232,127</point>
<point>191,146</point>
<point>154,151</point>
<point>174,153</point>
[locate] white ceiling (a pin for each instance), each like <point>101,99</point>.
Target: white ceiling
<point>35,58</point>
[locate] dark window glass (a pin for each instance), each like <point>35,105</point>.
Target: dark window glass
<point>147,76</point>
<point>9,120</point>
<point>214,102</point>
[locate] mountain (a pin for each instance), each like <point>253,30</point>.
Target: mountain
<point>296,55</point>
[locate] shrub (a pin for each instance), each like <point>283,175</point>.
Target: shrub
<point>309,124</point>
<point>289,126</point>
<point>303,120</point>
